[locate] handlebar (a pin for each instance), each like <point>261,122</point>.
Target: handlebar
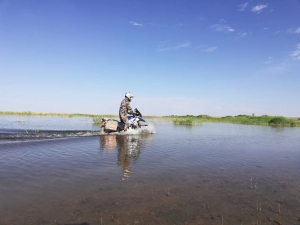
<point>137,113</point>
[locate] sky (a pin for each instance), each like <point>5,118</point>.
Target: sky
<point>176,57</point>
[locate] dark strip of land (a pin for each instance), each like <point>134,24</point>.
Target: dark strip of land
<point>184,120</point>
<point>240,119</point>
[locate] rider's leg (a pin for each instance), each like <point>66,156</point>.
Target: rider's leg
<point>124,119</point>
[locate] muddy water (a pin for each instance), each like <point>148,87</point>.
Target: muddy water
<point>208,174</point>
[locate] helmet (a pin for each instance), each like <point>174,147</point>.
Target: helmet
<point>129,96</point>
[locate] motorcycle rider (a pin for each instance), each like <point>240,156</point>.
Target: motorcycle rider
<point>125,109</point>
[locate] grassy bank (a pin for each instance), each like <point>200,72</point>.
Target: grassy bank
<point>240,119</point>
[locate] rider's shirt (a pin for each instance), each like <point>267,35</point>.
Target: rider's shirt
<point>125,107</point>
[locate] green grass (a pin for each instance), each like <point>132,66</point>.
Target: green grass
<point>188,120</point>
<point>282,121</point>
<point>240,119</point>
<point>97,119</point>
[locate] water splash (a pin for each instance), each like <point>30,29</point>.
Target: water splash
<point>17,134</point>
<point>38,134</point>
<point>150,129</point>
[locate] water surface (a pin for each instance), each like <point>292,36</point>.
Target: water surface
<point>208,174</point>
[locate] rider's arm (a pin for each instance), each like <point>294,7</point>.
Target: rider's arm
<point>129,109</point>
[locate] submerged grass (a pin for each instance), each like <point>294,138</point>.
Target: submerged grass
<point>186,121</point>
<point>98,119</point>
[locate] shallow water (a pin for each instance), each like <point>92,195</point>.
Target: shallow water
<point>207,174</point>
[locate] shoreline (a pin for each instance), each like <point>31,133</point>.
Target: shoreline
<point>187,120</point>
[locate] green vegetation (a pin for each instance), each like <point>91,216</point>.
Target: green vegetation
<point>240,119</point>
<point>282,121</point>
<point>188,120</point>
<point>97,119</point>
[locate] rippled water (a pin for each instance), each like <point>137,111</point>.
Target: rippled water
<point>46,123</point>
<point>207,174</point>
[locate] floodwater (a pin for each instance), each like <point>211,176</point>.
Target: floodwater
<point>207,174</point>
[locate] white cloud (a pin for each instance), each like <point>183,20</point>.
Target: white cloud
<point>185,45</point>
<point>242,34</point>
<point>242,7</point>
<point>277,32</point>
<point>222,28</point>
<point>135,24</point>
<point>258,8</point>
<point>296,54</point>
<point>206,48</point>
<point>268,61</point>
<point>294,30</point>
<point>211,49</point>
<point>182,45</point>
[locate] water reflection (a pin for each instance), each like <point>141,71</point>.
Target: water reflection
<point>108,142</point>
<point>124,149</point>
<point>128,147</point>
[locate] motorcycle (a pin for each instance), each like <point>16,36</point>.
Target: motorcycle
<point>111,125</point>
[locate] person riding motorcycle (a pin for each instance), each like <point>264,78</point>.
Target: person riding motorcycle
<point>125,109</point>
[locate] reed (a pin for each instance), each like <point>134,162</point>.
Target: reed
<point>168,193</point>
<point>98,119</point>
<point>258,206</point>
<point>187,121</point>
<point>207,208</point>
<point>251,186</point>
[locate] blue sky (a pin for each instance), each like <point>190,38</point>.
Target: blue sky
<point>176,57</point>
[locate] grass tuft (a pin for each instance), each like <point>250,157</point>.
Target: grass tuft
<point>187,122</point>
<point>281,121</point>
